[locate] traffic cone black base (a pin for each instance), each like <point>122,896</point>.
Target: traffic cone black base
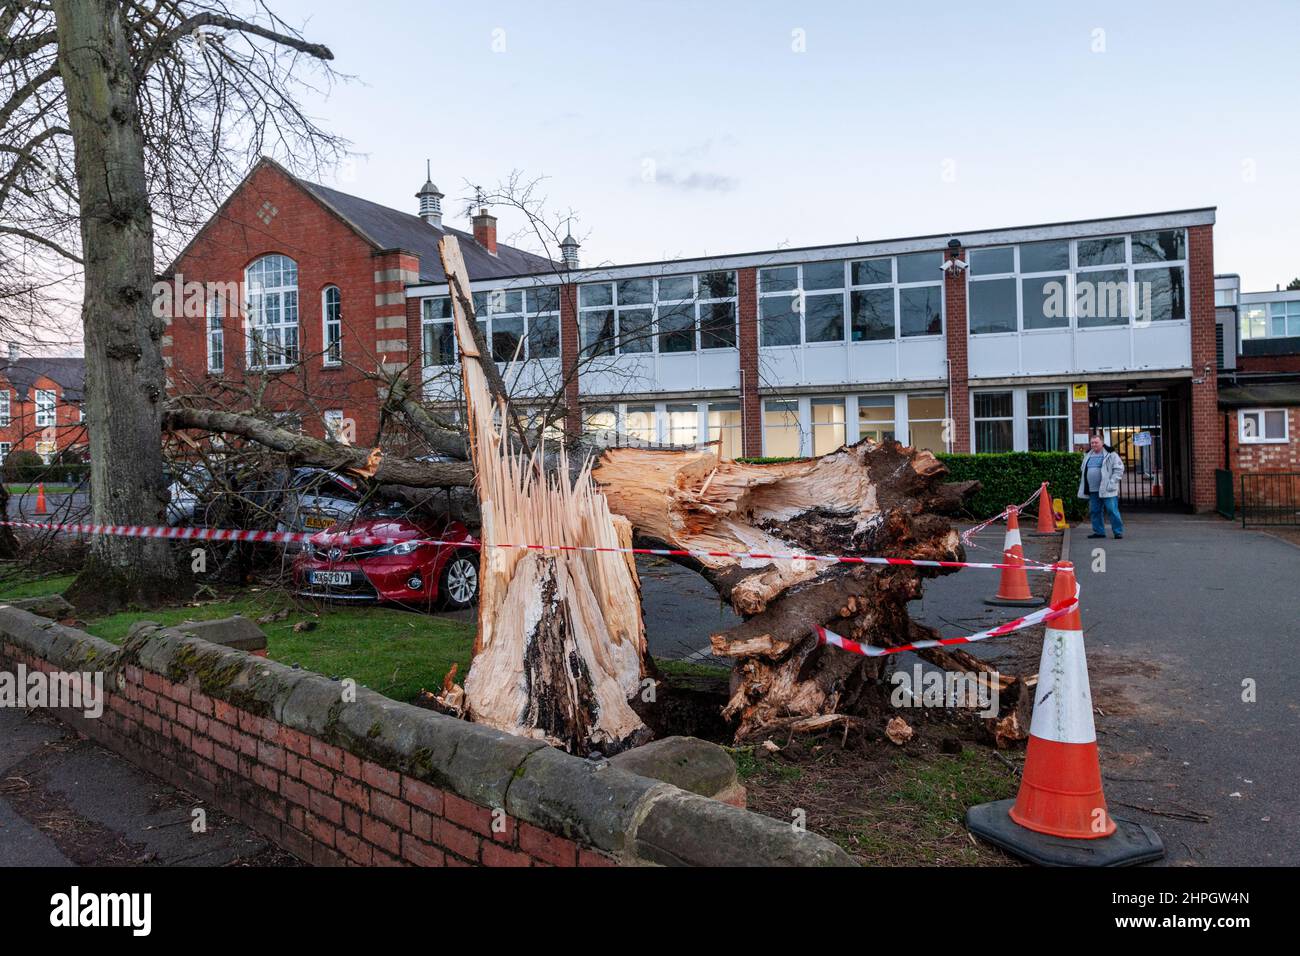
<point>1130,844</point>
<point>1013,602</point>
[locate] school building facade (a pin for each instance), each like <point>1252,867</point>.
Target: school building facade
<point>1009,339</point>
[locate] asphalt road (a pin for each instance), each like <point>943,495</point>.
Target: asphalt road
<point>1190,614</point>
<point>64,507</point>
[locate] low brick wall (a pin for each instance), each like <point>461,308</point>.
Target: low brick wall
<point>375,782</point>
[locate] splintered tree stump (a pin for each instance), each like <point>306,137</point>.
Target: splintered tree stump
<point>561,645</point>
<point>867,499</point>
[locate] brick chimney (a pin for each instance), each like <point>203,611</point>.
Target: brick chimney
<point>485,230</point>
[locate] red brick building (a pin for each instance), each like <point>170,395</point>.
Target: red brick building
<point>299,290</point>
<point>40,405</point>
<point>1259,395</point>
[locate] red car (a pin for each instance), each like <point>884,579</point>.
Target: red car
<point>404,571</point>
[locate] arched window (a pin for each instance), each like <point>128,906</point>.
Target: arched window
<point>272,283</point>
<point>332,318</point>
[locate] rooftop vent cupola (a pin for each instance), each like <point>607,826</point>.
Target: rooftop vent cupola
<point>430,200</point>
<point>569,250</point>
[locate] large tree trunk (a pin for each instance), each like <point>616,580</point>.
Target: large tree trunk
<point>561,646</point>
<point>868,499</point>
<point>124,367</point>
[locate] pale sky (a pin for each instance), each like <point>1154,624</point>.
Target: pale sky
<point>895,120</point>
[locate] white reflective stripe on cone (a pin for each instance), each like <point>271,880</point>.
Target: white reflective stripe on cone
<point>1063,701</point>
<point>1013,538</point>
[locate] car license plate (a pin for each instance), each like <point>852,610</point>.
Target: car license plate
<point>331,577</point>
<point>317,521</point>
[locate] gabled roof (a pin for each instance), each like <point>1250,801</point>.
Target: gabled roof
<point>392,229</point>
<point>68,372</point>
<point>386,228</point>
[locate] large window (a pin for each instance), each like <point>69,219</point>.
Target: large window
<point>672,314</point>
<point>862,301</point>
<point>781,435</point>
<point>994,422</point>
<point>1116,280</point>
<point>827,425</point>
<point>724,428</point>
<point>439,335</point>
<point>519,324</point>
<point>45,408</point>
<point>272,284</point>
<point>1267,320</point>
<point>927,422</point>
<point>5,410</point>
<point>332,324</point>
<point>1260,426</point>
<point>216,334</point>
<point>1049,419</point>
<point>876,417</point>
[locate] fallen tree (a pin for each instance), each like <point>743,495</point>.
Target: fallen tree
<point>872,499</point>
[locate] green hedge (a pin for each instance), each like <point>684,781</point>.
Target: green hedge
<point>26,466</point>
<point>1013,477</point>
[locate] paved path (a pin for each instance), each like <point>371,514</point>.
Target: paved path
<point>65,801</point>
<point>1187,610</point>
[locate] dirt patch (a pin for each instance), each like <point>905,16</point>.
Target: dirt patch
<point>885,805</point>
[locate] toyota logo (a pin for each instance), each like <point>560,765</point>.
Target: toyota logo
<point>335,553</point>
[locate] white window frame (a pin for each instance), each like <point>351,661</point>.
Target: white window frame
<point>800,295</point>
<point>5,448</point>
<point>658,300</point>
<point>46,402</point>
<point>1075,274</point>
<point>1244,439</point>
<point>1067,416</point>
<point>6,408</point>
<point>491,303</point>
<point>285,331</point>
<point>1020,415</point>
<point>332,348</point>
<point>215,337</point>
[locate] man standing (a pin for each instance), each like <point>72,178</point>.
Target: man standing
<point>1099,483</point>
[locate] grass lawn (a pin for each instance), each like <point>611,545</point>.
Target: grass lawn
<point>50,489</point>
<point>389,650</point>
<point>392,651</point>
<point>16,584</point>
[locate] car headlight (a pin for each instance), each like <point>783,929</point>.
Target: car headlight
<point>402,547</point>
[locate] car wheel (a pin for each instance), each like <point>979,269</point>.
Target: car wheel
<point>458,586</point>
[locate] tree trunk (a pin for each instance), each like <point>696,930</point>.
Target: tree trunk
<point>124,367</point>
<point>561,645</point>
<point>867,499</point>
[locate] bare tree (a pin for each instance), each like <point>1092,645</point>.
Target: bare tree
<point>123,124</point>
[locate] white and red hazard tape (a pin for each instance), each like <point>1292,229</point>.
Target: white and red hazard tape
<point>342,538</point>
<point>969,533</point>
<point>1049,613</point>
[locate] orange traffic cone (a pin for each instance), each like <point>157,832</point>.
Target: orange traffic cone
<point>1060,787</point>
<point>1059,817</point>
<point>1046,519</point>
<point>1013,585</point>
<point>40,499</point>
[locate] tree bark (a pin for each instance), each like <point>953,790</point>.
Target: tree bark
<point>124,367</point>
<point>866,499</point>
